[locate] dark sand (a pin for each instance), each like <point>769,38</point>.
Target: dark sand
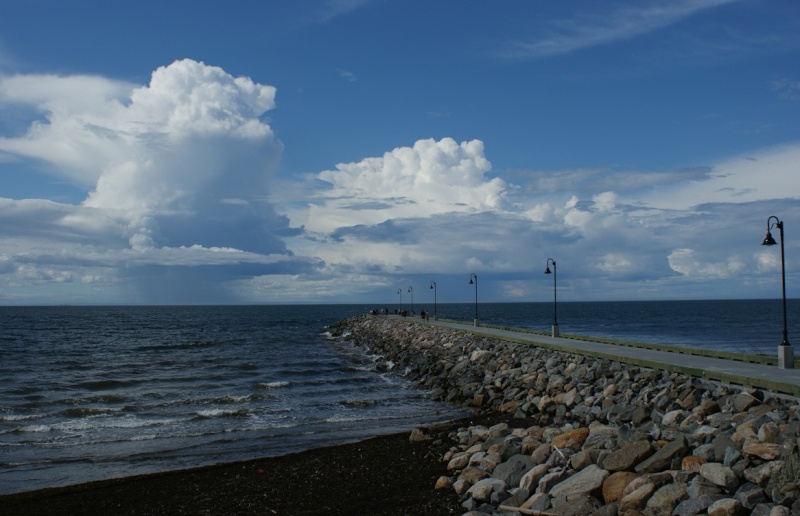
<point>386,475</point>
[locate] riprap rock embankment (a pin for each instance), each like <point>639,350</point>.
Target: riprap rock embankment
<point>599,436</point>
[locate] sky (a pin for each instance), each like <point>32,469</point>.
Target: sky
<point>343,151</point>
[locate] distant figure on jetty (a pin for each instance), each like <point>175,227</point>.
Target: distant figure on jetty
<point>424,315</point>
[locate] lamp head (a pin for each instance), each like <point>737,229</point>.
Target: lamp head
<point>470,280</point>
<point>768,240</point>
<point>547,270</point>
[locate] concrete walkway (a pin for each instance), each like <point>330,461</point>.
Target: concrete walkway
<point>739,373</point>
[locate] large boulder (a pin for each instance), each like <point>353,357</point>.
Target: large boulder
<point>662,459</point>
<point>626,457</point>
<point>512,470</point>
<point>586,481</point>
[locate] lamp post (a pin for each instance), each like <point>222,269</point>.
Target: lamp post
<point>785,350</point>
<point>555,303</point>
<point>400,293</point>
<point>411,289</point>
<point>475,277</point>
<point>433,286</point>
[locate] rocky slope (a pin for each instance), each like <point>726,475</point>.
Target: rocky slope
<point>601,437</point>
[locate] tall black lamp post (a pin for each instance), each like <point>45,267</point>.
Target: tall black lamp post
<point>433,286</point>
<point>400,293</point>
<point>472,277</point>
<point>785,350</point>
<point>555,303</point>
<point>411,289</point>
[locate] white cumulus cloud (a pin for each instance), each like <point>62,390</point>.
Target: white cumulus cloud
<point>182,163</point>
<point>428,178</point>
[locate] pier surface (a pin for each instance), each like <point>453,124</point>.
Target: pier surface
<point>725,370</point>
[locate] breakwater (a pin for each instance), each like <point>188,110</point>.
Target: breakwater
<point>599,436</point>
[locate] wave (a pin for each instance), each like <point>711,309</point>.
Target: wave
<point>19,417</point>
<point>222,413</point>
<point>359,403</point>
<point>272,385</point>
<point>100,385</point>
<point>31,429</point>
<point>86,411</point>
<point>352,419</point>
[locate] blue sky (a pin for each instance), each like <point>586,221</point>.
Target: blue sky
<point>334,151</point>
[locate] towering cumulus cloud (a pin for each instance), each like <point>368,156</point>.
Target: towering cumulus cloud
<point>180,163</point>
<point>429,178</point>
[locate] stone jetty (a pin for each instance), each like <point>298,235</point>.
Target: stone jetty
<point>597,436</point>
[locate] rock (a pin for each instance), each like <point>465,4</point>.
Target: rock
<point>566,398</point>
<point>745,432</point>
<point>476,458</point>
<point>726,507</point>
<point>636,500</point>
<point>750,495</point>
<point>705,452</point>
<point>482,491</point>
<point>743,401</point>
<point>585,481</point>
<point>719,475</point>
<point>732,455</point>
<point>692,463</point>
<point>461,486</point>
<point>542,453</point>
<point>580,460</point>
<point>517,498</point>
<point>699,486</point>
<point>626,457</point>
<point>512,470</point>
<point>490,461</point>
<point>601,437</point>
<point>694,506</point>
<point>664,500</point>
<point>418,435</point>
<point>549,480</point>
<point>473,475</point>
<point>576,504</point>
<point>458,462</point>
<point>759,475</point>
<point>573,440</point>
<point>768,432</point>
<point>615,484</point>
<point>721,444</point>
<point>662,459</point>
<point>538,502</point>
<point>707,407</point>
<point>529,444</point>
<point>530,480</point>
<point>766,451</point>
<point>499,430</point>
<point>674,417</point>
<point>444,482</point>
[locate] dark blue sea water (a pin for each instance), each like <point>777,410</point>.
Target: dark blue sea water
<point>97,392</point>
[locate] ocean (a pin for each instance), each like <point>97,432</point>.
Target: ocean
<point>90,393</point>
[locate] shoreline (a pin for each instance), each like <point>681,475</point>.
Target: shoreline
<point>388,474</point>
<point>662,438</point>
